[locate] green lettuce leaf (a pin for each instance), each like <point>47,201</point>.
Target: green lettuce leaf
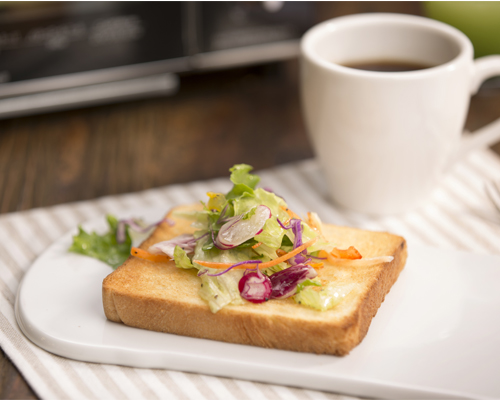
<point>240,174</point>
<point>181,259</point>
<point>103,247</point>
<point>238,191</point>
<point>244,182</point>
<point>308,282</point>
<point>324,299</point>
<point>220,291</point>
<point>272,234</point>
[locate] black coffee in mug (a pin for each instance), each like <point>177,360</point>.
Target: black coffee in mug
<point>386,66</point>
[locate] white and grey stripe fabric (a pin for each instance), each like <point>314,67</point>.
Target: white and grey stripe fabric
<point>457,216</point>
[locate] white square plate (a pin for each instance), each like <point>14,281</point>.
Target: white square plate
<point>437,335</point>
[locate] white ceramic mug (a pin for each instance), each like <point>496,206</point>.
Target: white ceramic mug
<point>384,139</point>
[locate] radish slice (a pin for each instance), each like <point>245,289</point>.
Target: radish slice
<point>255,287</point>
<point>239,229</point>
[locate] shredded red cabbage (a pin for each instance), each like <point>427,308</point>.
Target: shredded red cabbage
<point>284,283</point>
<point>296,225</point>
<point>301,258</point>
<point>282,225</point>
<point>205,272</point>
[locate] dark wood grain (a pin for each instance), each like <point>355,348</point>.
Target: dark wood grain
<point>217,119</point>
<point>247,115</point>
<point>12,384</point>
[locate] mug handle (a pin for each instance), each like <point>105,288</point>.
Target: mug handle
<point>484,68</point>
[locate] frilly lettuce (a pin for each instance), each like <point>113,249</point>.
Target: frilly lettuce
<point>220,291</point>
<point>181,259</point>
<point>244,182</point>
<point>103,247</point>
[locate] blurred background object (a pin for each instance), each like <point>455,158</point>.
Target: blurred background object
<point>479,20</point>
<point>60,55</point>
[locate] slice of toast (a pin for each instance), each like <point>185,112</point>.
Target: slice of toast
<point>159,296</point>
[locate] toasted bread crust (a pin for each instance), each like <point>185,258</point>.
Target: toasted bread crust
<point>161,297</point>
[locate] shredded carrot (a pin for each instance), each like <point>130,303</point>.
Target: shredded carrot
<point>268,264</point>
<point>351,253</point>
<point>338,255</point>
<point>280,252</point>
<point>290,212</point>
<point>146,255</point>
<point>317,265</point>
<point>256,245</point>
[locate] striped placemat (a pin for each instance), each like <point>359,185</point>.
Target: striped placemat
<point>457,216</point>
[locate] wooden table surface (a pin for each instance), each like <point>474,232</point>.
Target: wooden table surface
<point>216,119</point>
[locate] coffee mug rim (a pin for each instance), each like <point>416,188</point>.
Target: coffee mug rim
<point>466,49</point>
